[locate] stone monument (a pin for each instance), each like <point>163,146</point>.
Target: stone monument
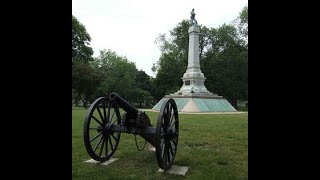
<point>193,96</point>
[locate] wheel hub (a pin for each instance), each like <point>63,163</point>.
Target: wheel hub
<point>170,134</point>
<point>107,129</point>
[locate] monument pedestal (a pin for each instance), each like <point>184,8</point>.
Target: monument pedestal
<point>193,79</point>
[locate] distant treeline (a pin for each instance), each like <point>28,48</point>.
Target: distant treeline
<point>223,60</point>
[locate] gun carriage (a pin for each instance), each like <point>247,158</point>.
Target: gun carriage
<point>110,116</point>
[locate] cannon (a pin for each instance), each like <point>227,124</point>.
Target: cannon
<point>110,116</point>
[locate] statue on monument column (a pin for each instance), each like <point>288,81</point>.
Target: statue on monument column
<point>193,21</point>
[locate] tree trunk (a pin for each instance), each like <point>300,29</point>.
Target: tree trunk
<point>76,101</point>
<point>85,104</point>
<point>234,103</point>
<point>84,101</point>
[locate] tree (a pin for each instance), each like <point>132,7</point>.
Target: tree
<point>81,51</point>
<point>82,72</point>
<point>142,81</point>
<point>116,73</point>
<point>168,78</point>
<point>83,82</point>
<point>241,23</point>
<point>173,60</point>
<point>141,96</point>
<point>226,62</point>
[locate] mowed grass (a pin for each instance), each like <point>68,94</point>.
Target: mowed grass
<point>212,146</point>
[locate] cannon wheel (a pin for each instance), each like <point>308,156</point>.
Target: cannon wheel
<point>167,133</point>
<point>100,140</point>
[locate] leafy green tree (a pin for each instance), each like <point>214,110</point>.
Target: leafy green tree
<point>82,77</point>
<point>142,81</point>
<point>81,51</point>
<point>168,78</point>
<point>226,62</point>
<point>116,74</point>
<point>173,60</point>
<point>242,23</point>
<point>141,97</point>
<point>83,80</point>
<point>143,88</point>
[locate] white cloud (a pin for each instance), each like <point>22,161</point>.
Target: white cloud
<point>130,27</point>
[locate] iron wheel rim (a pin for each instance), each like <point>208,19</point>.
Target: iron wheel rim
<point>102,144</point>
<point>167,133</point>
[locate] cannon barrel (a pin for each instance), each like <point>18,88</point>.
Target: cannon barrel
<point>114,97</point>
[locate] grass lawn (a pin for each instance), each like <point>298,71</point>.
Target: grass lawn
<point>212,146</point>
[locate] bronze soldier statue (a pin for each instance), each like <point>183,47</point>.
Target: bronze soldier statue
<point>193,21</point>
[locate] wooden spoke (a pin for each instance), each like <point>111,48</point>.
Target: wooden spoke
<point>102,118</point>
<point>97,120</point>
<point>95,137</point>
<point>95,148</point>
<point>104,140</point>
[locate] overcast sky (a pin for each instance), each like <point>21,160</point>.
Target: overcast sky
<point>129,27</point>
